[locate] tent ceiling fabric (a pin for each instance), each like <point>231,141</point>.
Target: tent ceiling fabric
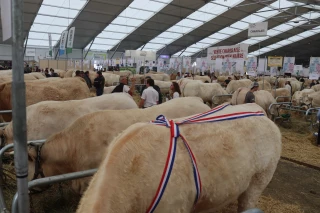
<point>174,27</point>
<point>168,16</point>
<point>93,18</point>
<point>31,8</point>
<point>218,23</point>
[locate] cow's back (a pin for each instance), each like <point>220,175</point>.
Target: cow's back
<point>140,152</point>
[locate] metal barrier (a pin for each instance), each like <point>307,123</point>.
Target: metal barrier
<point>271,112</point>
<point>4,124</point>
<point>283,97</point>
<point>309,118</point>
<point>3,207</point>
<point>217,96</point>
<point>51,180</point>
<point>5,111</point>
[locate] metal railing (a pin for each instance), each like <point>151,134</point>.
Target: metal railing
<point>51,180</point>
<point>312,119</point>
<point>3,207</point>
<point>5,111</point>
<point>219,96</point>
<point>283,97</point>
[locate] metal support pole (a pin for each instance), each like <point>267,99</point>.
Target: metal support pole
<point>19,107</point>
<point>56,54</point>
<point>163,49</point>
<point>88,49</point>
<point>182,52</point>
<point>143,47</point>
<point>114,52</point>
<point>25,46</point>
<point>82,60</point>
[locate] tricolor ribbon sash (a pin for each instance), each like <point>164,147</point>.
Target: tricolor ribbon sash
<point>175,133</point>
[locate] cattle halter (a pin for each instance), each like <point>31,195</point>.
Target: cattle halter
<point>175,133</point>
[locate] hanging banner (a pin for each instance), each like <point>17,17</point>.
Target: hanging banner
<point>251,66</point>
<point>258,29</point>
<point>288,64</point>
<point>273,71</point>
<point>70,39</point>
<point>5,6</point>
<point>314,68</point>
<point>239,67</point>
<point>218,66</point>
<point>262,66</point>
<point>160,64</point>
<point>298,70</point>
<point>175,63</point>
<point>235,52</point>
<point>50,44</point>
<point>186,62</point>
<point>63,41</point>
<point>275,61</point>
<point>100,56</point>
<point>31,52</point>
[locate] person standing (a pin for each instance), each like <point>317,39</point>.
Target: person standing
<point>156,87</point>
<point>123,86</point>
<point>98,83</point>
<point>150,96</point>
<point>250,98</point>
<point>175,90</point>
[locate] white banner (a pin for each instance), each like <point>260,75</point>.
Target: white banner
<point>6,19</point>
<point>298,70</point>
<point>63,41</point>
<point>235,52</point>
<point>186,62</point>
<point>258,29</point>
<point>262,66</point>
<point>175,63</point>
<point>314,67</point>
<point>251,64</point>
<point>314,76</point>
<point>273,71</point>
<point>30,52</point>
<point>160,64</point>
<point>70,39</point>
<point>288,64</point>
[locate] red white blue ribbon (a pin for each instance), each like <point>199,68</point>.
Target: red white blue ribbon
<point>175,133</point>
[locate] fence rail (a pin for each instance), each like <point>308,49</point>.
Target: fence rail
<point>3,207</point>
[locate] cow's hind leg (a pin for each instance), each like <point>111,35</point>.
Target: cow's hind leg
<point>249,198</point>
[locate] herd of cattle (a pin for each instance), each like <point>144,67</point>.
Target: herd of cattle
<point>109,132</point>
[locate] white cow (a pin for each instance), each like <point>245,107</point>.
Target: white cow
<point>236,161</point>
<point>82,145</point>
<point>49,117</point>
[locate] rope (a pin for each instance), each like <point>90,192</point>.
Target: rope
<point>175,133</point>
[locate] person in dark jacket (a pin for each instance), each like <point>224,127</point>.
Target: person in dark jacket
<point>87,79</point>
<point>98,83</point>
<point>123,86</point>
<point>46,72</point>
<point>53,74</point>
<point>155,87</point>
<point>250,98</point>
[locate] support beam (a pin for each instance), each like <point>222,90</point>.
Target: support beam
<point>143,46</point>
<point>114,52</point>
<point>19,107</point>
<point>88,50</point>
<point>182,52</point>
<point>25,46</point>
<point>163,49</point>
